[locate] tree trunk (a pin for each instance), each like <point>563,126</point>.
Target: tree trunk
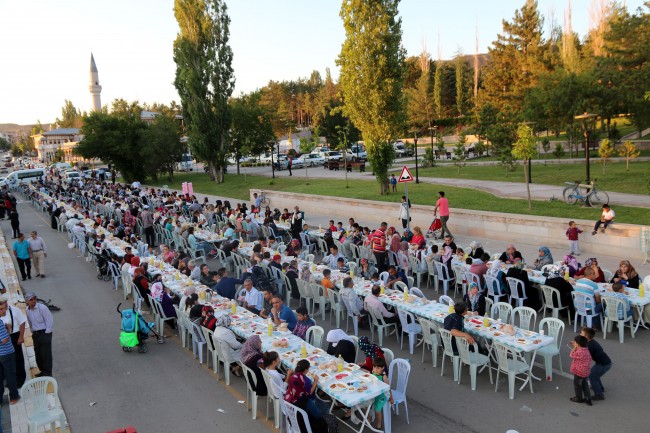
<point>212,171</point>
<point>238,166</point>
<point>527,184</point>
<point>170,174</point>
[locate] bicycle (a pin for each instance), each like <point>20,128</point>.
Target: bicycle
<point>591,195</point>
<point>50,306</point>
<point>264,200</point>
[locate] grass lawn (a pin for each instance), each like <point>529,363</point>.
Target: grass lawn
<point>614,179</point>
<point>236,186</point>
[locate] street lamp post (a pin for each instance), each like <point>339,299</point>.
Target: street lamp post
<point>415,140</point>
<point>431,130</point>
<point>588,120</point>
<point>530,163</point>
<point>271,146</point>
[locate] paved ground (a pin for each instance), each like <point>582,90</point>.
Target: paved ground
<point>498,188</point>
<point>165,390</point>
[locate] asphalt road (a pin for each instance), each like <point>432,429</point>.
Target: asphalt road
<point>165,390</point>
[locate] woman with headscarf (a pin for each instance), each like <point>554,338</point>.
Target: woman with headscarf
<point>157,287</point>
<point>476,250</point>
<point>545,258</point>
<point>223,333</point>
<point>394,239</point>
<point>403,256</point>
<point>626,275</point>
<point>532,294</point>
<point>250,356</point>
<point>556,280</point>
<point>293,249</point>
<point>593,264</point>
<point>167,302</point>
<point>341,344</point>
<point>475,300</point>
<point>142,285</point>
<point>571,264</point>
<point>510,255</point>
<point>371,351</point>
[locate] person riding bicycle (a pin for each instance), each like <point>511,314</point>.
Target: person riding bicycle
<point>606,218</point>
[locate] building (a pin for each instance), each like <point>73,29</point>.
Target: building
<point>48,143</point>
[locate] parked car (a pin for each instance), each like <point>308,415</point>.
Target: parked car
<point>313,159</point>
<point>333,156</point>
<point>321,150</point>
<point>283,163</point>
<point>402,150</point>
<point>356,152</point>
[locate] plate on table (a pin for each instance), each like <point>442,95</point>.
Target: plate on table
<point>258,332</point>
<point>341,376</point>
<point>498,334</point>
<point>523,341</point>
<point>324,377</point>
<point>368,377</point>
<point>338,386</point>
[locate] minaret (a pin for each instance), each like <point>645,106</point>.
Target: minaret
<point>95,88</point>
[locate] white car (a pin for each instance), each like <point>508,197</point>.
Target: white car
<point>313,159</point>
<point>333,156</point>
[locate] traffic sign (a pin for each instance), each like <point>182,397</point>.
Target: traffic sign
<point>405,176</point>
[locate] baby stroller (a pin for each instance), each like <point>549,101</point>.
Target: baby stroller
<point>135,331</point>
<point>101,262</point>
<point>435,229</point>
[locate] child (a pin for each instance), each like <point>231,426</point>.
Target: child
<point>580,365</point>
<point>326,282</point>
<point>393,182</point>
<point>379,371</point>
<point>602,363</point>
<point>572,234</point>
<point>304,322</point>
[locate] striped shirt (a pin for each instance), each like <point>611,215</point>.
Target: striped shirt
<point>6,348</point>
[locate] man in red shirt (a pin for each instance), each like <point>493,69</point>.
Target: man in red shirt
<point>443,205</point>
<point>379,246</point>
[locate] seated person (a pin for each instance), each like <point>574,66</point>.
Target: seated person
<point>226,285</point>
<point>332,258</point>
<point>341,344</point>
<point>556,280</point>
<point>593,264</point>
<point>276,262</point>
<point>373,303</point>
<point>606,218</point>
<point>282,313</point>
<point>626,275</point>
<point>510,254</point>
<point>395,275</point>
<point>479,266</point>
<point>267,293</point>
<point>435,255</point>
<point>455,323</point>
<point>588,285</point>
<point>304,322</point>
<point>532,294</point>
<point>545,258</point>
<point>349,296</point>
<point>341,266</point>
<point>571,263</point>
<point>208,320</point>
<point>618,291</point>
<point>223,332</point>
<point>326,282</point>
<point>253,300</point>
<point>475,300</point>
<point>250,356</point>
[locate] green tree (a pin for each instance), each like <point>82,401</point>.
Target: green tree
<point>628,151</point>
<point>605,152</point>
<point>437,90</point>
<point>160,147</point>
<point>4,144</point>
<point>251,126</point>
<point>372,76</point>
<point>420,107</point>
<point>70,116</point>
<point>525,148</point>
<point>559,151</point>
<point>205,79</point>
<point>459,153</point>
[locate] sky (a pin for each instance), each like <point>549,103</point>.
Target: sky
<point>45,45</point>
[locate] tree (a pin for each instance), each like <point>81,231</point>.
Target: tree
<point>205,79</point>
<point>251,126</point>
<point>525,148</point>
<point>459,154</point>
<point>605,152</point>
<point>628,151</point>
<point>372,76</point>
<point>160,146</point>
<point>4,144</point>
<point>559,151</point>
<point>420,107</point>
<point>437,89</point>
<point>70,116</point>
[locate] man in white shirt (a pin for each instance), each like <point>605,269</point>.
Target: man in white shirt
<point>15,321</point>
<point>253,300</point>
<point>69,224</point>
<point>606,218</point>
<point>373,303</point>
<point>332,258</point>
<point>39,252</point>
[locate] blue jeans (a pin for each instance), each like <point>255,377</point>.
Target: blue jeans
<point>8,374</point>
<point>597,371</point>
<point>311,408</point>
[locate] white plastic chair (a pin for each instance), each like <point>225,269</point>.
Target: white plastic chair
<point>400,370</point>
<point>448,350</point>
<point>553,328</point>
<point>198,341</point>
<point>527,318</point>
<point>388,355</point>
<point>444,299</point>
<point>378,322</point>
<point>512,363</point>
<point>493,288</point>
<point>337,307</point>
<point>291,415</point>
<point>162,318</point>
<point>224,355</point>
<point>398,285</point>
<point>585,310</point>
<point>611,308</point>
<point>430,338</point>
<point>352,312</point>
<point>409,326</point>
<point>35,391</point>
<point>517,291</point>
<point>384,277</point>
<point>469,278</point>
<point>115,273</point>
<point>608,274</point>
<point>251,385</point>
<point>314,336</point>
<point>553,302</point>
<point>444,277</point>
<point>472,359</point>
<point>212,349</point>
<point>126,283</point>
<point>416,269</point>
<point>306,294</point>
<point>272,398</point>
<point>502,310</point>
<point>182,326</point>
<point>319,298</point>
<point>432,273</point>
<point>355,340</point>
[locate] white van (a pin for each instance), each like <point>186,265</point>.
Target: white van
<point>70,175</point>
<point>23,176</point>
<point>62,166</point>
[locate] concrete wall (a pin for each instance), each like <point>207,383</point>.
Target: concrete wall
<point>621,240</point>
